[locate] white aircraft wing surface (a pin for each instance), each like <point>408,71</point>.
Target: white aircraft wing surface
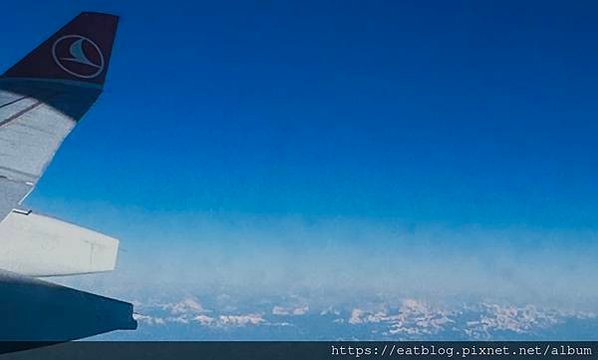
<point>42,97</point>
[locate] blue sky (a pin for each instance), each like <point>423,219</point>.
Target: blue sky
<point>257,142</point>
<point>456,114</point>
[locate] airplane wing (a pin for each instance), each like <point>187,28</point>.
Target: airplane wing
<point>33,310</point>
<point>42,97</point>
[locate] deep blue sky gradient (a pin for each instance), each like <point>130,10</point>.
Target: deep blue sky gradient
<point>460,112</point>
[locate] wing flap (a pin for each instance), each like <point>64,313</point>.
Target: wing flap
<point>38,245</point>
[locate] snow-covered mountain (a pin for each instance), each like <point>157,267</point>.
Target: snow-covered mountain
<point>224,318</point>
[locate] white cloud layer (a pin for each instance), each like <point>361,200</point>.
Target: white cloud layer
<point>409,319</point>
